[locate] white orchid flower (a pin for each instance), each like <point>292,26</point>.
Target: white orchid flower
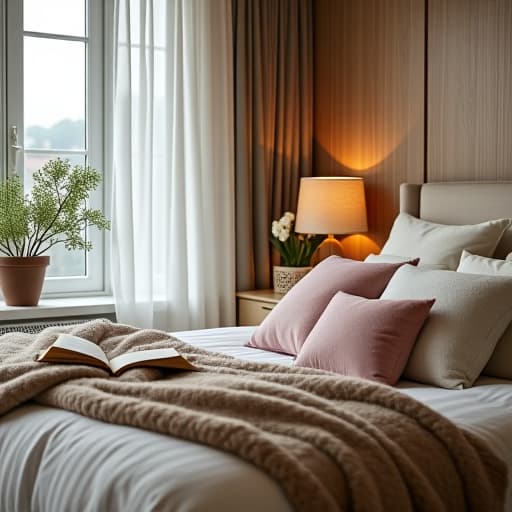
<point>287,219</point>
<point>276,228</point>
<point>284,235</point>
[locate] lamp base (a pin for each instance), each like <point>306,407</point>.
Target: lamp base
<point>327,248</point>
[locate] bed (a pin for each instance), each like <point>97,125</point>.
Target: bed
<point>54,460</point>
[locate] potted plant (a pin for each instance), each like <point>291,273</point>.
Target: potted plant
<point>295,250</point>
<point>56,212</point>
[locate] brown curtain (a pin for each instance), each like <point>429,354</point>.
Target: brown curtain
<point>273,45</point>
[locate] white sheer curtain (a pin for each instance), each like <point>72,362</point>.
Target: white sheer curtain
<point>173,255</point>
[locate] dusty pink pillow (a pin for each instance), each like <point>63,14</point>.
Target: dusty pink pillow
<point>287,326</point>
<point>369,338</point>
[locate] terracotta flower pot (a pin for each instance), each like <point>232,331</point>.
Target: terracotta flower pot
<point>21,279</point>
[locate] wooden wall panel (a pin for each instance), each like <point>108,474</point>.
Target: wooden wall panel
<point>369,102</point>
<point>469,90</point>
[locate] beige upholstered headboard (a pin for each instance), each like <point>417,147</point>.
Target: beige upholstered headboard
<point>461,203</point>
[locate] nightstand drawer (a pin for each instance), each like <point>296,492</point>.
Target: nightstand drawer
<point>251,312</point>
<point>254,305</point>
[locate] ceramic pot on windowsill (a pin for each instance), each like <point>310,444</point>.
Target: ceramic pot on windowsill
<point>22,278</point>
<point>285,278</point>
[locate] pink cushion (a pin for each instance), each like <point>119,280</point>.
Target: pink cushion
<point>365,338</point>
<point>287,326</point>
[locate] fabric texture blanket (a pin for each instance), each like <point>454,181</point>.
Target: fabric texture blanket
<point>332,443</point>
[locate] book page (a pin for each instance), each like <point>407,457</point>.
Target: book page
<point>143,356</point>
<point>80,345</point>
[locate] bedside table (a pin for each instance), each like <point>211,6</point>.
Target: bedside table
<point>254,305</point>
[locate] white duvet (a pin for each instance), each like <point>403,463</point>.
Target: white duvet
<point>53,460</point>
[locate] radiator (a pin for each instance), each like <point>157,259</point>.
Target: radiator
<point>35,327</point>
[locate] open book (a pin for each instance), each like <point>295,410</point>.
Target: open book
<point>73,349</point>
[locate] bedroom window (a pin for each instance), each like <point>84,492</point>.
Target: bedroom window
<point>54,79</point>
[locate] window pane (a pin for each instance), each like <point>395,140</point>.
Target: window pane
<point>34,162</point>
<point>54,94</point>
<point>63,263</point>
<point>65,17</point>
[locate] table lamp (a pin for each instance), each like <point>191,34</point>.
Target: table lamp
<point>331,206</point>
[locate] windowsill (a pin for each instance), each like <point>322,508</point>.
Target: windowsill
<point>64,307</point>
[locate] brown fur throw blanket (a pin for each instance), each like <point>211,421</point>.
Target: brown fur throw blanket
<point>332,443</point>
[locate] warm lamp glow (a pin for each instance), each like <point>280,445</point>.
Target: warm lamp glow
<point>331,206</point>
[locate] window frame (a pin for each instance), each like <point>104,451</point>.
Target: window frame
<point>3,99</point>
<point>96,279</point>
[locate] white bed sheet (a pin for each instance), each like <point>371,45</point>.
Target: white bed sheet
<point>54,466</point>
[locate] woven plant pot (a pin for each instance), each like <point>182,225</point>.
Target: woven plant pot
<point>286,277</point>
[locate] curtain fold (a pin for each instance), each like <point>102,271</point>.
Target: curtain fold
<point>173,227</point>
<point>273,53</point>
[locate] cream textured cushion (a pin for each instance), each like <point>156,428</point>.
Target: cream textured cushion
<point>469,316</point>
<point>474,264</point>
<point>392,258</point>
<point>439,244</point>
<point>500,364</point>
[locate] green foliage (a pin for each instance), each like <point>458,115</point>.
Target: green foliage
<point>297,250</point>
<point>14,217</point>
<point>56,212</point>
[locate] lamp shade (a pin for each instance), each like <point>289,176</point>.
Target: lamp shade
<point>331,206</point>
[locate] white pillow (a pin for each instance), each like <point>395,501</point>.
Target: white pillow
<point>500,364</point>
<point>469,316</point>
<point>474,264</point>
<point>439,244</point>
<point>391,258</point>
<point>386,258</point>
